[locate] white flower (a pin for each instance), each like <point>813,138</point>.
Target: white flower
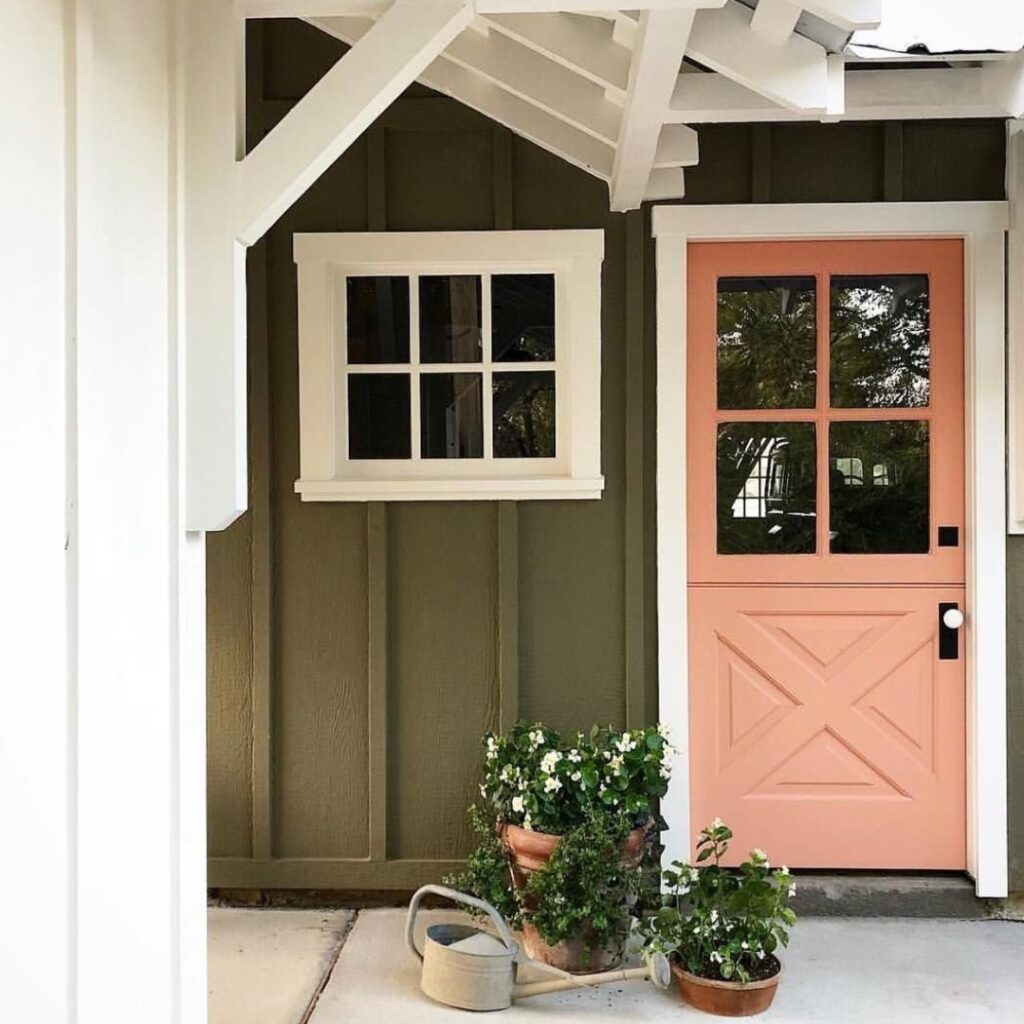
<point>575,756</point>
<point>527,822</point>
<point>758,856</point>
<point>744,945</point>
<point>517,804</point>
<point>663,730</point>
<point>625,743</point>
<point>665,771</point>
<point>783,870</point>
<point>492,746</point>
<point>615,763</point>
<point>576,776</point>
<point>522,785</point>
<point>714,916</point>
<point>549,761</point>
<point>716,957</point>
<point>791,891</point>
<point>483,790</point>
<point>506,773</point>
<point>491,755</point>
<point>760,954</point>
<point>717,823</point>
<point>537,737</point>
<point>694,875</point>
<point>552,784</point>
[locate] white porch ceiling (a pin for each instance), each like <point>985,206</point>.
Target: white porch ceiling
<point>615,91</point>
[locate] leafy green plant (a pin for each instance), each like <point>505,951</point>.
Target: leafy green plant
<point>723,922</point>
<point>488,874</point>
<point>587,889</point>
<point>535,778</point>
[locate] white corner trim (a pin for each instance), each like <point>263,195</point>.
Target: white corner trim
<point>1015,325</point>
<point>982,226</point>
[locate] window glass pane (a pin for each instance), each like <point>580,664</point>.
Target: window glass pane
<point>766,488</point>
<point>766,343</point>
<point>524,415</point>
<point>451,416</point>
<point>378,416</point>
<point>450,326</point>
<point>878,486</point>
<point>523,318</point>
<point>378,319</point>
<point>880,341</point>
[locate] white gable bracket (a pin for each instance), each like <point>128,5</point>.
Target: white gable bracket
<point>793,74</point>
<point>850,15</point>
<point>1003,83</point>
<point>659,52</point>
<point>341,106</point>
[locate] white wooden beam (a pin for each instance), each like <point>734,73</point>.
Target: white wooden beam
<point>792,74</point>
<point>1004,82</point>
<point>914,93</point>
<point>677,147</point>
<point>850,15</point>
<point>775,20</point>
<point>312,8</point>
<point>536,78</point>
<point>665,183</point>
<point>656,60</point>
<point>525,119</point>
<point>341,106</point>
<point>538,6</point>
<point>362,8</point>
<point>584,45</point>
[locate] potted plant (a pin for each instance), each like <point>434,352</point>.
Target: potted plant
<point>562,835</point>
<point>721,927</point>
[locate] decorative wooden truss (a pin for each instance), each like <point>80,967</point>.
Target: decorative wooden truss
<point>614,91</point>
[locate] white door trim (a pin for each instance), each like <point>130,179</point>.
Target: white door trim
<point>982,226</point>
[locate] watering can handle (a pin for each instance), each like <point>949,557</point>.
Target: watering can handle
<point>457,897</point>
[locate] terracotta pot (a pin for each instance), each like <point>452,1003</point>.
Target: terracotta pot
<point>528,852</point>
<point>726,998</point>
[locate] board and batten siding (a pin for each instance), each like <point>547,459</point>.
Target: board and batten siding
<point>358,651</point>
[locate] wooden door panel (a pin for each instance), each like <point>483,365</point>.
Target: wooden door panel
<point>851,755</point>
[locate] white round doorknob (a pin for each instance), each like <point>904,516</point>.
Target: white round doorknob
<point>952,618</point>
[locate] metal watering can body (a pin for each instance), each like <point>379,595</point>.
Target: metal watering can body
<point>471,969</point>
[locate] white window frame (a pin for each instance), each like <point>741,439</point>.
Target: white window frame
<point>982,226</point>
<point>324,262</point>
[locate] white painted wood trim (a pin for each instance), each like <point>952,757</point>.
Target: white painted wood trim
<point>982,226</point>
<point>1015,325</point>
<point>325,260</point>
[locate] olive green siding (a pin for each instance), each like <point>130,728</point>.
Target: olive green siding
<point>357,652</point>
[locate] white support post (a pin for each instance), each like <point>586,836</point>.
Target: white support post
<point>792,74</point>
<point>1004,83</point>
<point>659,52</point>
<point>1015,326</point>
<point>341,106</point>
<point>775,20</point>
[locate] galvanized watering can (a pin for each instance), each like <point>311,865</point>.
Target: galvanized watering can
<point>472,969</point>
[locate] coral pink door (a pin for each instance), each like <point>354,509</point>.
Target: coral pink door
<point>825,522</point>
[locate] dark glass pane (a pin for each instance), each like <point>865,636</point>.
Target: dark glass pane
<point>766,488</point>
<point>450,330</point>
<point>378,319</point>
<point>378,416</point>
<point>878,487</point>
<point>766,343</point>
<point>880,341</point>
<point>524,415</point>
<point>451,415</point>
<point>522,318</point>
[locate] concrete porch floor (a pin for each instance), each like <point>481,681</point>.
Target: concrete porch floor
<point>890,971</point>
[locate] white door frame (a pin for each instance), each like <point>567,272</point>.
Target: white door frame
<point>982,226</point>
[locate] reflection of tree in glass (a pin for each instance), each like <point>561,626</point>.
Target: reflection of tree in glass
<point>766,343</point>
<point>524,415</point>
<point>880,341</point>
<point>765,488</point>
<point>885,510</point>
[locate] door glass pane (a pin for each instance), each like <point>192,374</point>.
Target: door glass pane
<point>878,487</point>
<point>766,488</point>
<point>378,319</point>
<point>378,416</point>
<point>523,318</point>
<point>450,325</point>
<point>524,415</point>
<point>451,416</point>
<point>766,343</point>
<point>880,348</point>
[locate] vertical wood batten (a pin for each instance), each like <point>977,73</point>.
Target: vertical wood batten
<point>260,492</point>
<point>633,541</point>
<point>893,177</point>
<point>377,560</point>
<point>761,164</point>
<point>261,555</point>
<point>507,511</point>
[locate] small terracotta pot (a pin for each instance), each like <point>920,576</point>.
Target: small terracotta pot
<point>529,851</point>
<point>726,998</point>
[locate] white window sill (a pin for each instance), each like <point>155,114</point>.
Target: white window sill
<point>419,489</point>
